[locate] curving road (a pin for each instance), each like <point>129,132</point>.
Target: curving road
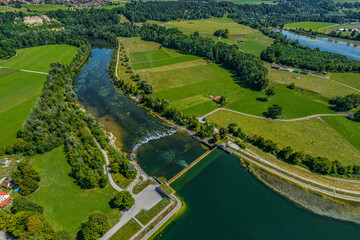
<point>273,120</point>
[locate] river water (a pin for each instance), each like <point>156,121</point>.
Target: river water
<point>223,200</point>
<point>351,49</point>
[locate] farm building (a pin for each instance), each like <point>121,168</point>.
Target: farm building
<point>239,41</point>
<point>217,98</point>
<point>276,66</point>
<point>296,71</point>
<point>7,183</point>
<point>4,198</point>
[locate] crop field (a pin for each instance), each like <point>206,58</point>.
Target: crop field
<point>39,58</point>
<point>310,136</point>
<point>254,41</point>
<point>19,90</point>
<point>61,197</point>
<point>323,87</point>
<point>310,25</point>
<point>188,85</point>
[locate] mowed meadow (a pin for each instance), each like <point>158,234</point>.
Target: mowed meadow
<point>254,41</point>
<point>19,90</point>
<point>188,82</point>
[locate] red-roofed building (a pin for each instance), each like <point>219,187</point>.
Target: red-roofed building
<point>4,198</point>
<point>217,98</point>
<point>8,183</point>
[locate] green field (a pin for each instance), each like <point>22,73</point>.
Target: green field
<point>350,130</point>
<point>254,41</point>
<point>19,90</point>
<point>65,204</point>
<point>39,58</point>
<point>18,94</point>
<point>322,86</point>
<point>309,25</point>
<point>187,85</point>
<point>351,79</point>
<point>310,136</point>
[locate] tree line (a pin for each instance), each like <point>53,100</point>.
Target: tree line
<point>311,33</point>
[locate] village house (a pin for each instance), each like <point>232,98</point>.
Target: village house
<point>5,199</point>
<point>217,98</point>
<point>8,183</point>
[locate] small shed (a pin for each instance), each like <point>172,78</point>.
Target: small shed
<point>276,66</point>
<point>239,41</point>
<point>7,183</point>
<point>208,61</point>
<point>325,73</point>
<point>296,71</point>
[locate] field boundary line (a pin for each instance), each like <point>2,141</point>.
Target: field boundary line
<point>24,70</point>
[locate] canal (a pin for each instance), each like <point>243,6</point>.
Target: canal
<point>223,201</point>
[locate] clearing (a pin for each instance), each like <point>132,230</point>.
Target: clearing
<point>254,41</point>
<point>19,90</point>
<point>310,136</point>
<point>310,25</point>
<point>61,196</point>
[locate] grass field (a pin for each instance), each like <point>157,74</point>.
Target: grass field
<point>254,41</point>
<point>350,130</point>
<point>309,25</point>
<point>39,58</point>
<point>19,90</point>
<point>127,231</point>
<point>310,136</point>
<point>187,85</point>
<point>18,94</point>
<point>65,204</point>
<point>324,87</point>
<point>351,79</point>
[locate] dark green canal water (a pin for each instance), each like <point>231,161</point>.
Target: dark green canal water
<point>223,200</point>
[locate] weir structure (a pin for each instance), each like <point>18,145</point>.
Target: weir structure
<point>190,166</point>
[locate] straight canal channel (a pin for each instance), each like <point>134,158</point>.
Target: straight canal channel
<point>223,200</point>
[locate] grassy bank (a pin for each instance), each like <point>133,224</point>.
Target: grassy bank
<point>312,136</point>
<point>61,197</point>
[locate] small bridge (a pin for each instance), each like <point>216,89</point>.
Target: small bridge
<point>190,166</point>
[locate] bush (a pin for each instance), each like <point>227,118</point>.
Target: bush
<point>123,200</point>
<point>95,227</point>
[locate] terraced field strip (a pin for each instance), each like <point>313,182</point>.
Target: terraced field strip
<point>190,166</point>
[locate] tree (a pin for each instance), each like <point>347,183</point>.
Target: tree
<point>273,111</point>
<point>226,33</point>
<point>232,127</point>
<point>291,86</point>
<point>357,116</point>
<point>95,227</point>
<point>270,91</point>
<point>222,101</point>
<point>23,204</point>
<point>62,235</point>
<point>222,132</point>
<point>123,200</point>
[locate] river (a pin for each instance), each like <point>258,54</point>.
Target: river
<point>348,48</point>
<point>223,201</point>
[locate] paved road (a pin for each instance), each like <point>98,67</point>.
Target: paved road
<point>111,180</point>
<point>4,236</point>
<point>146,199</point>
<point>317,186</point>
<point>273,120</point>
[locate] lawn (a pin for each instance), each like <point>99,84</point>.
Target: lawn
<point>324,87</point>
<point>127,231</point>
<point>146,216</point>
<point>350,130</point>
<point>254,41</point>
<point>309,25</point>
<point>351,79</point>
<point>18,94</point>
<point>39,58</point>
<point>313,136</point>
<point>65,204</point>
